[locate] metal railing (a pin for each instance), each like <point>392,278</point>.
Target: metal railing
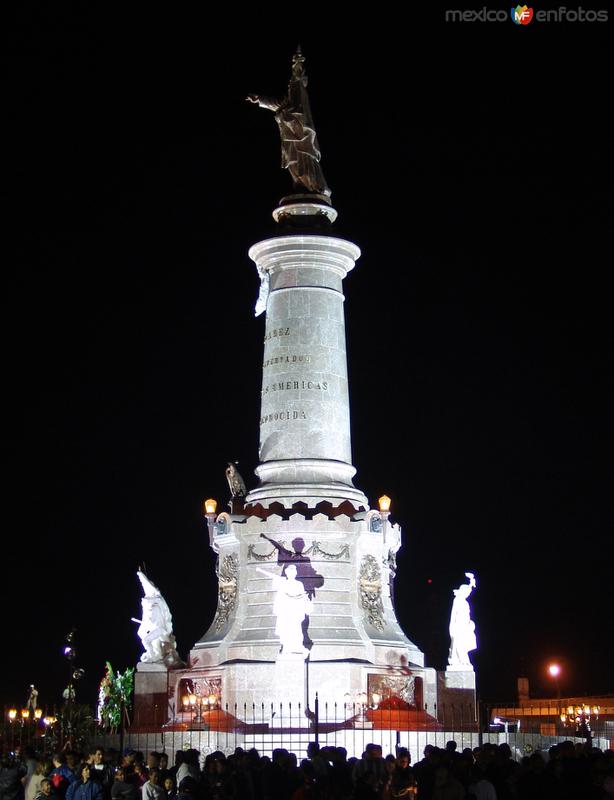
<point>267,726</point>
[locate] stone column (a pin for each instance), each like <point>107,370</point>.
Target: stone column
<point>305,445</point>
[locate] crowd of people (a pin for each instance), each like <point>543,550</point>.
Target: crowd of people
<point>485,773</point>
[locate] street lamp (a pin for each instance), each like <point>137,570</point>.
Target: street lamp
<point>578,718</point>
<point>554,670</point>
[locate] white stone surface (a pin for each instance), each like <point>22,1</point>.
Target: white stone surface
<point>462,628</point>
<point>156,626</point>
<point>340,625</point>
<point>305,446</point>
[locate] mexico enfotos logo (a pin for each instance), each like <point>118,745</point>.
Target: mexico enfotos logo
<point>523,15</point>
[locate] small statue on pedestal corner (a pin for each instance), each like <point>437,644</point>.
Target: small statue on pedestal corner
<point>462,628</point>
<point>235,481</point>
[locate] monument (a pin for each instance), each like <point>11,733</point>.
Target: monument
<point>457,684</point>
<point>159,652</point>
<point>305,566</point>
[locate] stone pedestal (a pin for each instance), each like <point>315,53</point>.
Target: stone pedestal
<point>456,700</point>
<point>347,565</point>
<point>150,695</point>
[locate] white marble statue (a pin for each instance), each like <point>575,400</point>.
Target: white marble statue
<point>291,606</point>
<point>462,627</point>
<point>263,294</point>
<point>156,627</point>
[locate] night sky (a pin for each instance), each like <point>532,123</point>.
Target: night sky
<point>470,164</point>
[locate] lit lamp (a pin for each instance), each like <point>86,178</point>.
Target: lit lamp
<point>578,718</point>
<point>185,701</point>
<point>210,506</point>
<point>384,504</point>
<point>554,670</point>
<point>25,714</point>
<point>12,715</point>
<point>384,510</point>
<point>38,713</point>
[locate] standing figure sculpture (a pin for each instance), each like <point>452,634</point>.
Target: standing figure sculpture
<point>300,152</point>
<point>156,627</point>
<point>32,699</point>
<point>462,628</point>
<point>236,484</point>
<point>291,606</point>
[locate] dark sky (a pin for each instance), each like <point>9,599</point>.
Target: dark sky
<point>470,162</point>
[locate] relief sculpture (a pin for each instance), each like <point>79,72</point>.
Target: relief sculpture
<point>371,591</point>
<point>227,590</point>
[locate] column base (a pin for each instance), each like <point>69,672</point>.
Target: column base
<point>320,479</point>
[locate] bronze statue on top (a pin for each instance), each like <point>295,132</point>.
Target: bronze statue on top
<point>300,152</point>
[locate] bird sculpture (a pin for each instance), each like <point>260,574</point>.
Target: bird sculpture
<point>235,481</point>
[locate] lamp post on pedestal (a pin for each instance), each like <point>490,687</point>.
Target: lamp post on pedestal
<point>210,507</point>
<point>384,510</point>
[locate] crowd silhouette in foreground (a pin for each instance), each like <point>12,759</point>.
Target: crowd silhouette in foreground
<point>567,771</point>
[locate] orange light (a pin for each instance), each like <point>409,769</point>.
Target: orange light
<point>192,699</point>
<point>563,717</point>
<point>25,714</point>
<point>185,700</point>
<point>384,503</point>
<point>210,506</point>
<point>12,713</point>
<point>38,713</point>
<point>596,710</point>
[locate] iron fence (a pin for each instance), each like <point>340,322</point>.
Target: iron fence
<point>266,727</point>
